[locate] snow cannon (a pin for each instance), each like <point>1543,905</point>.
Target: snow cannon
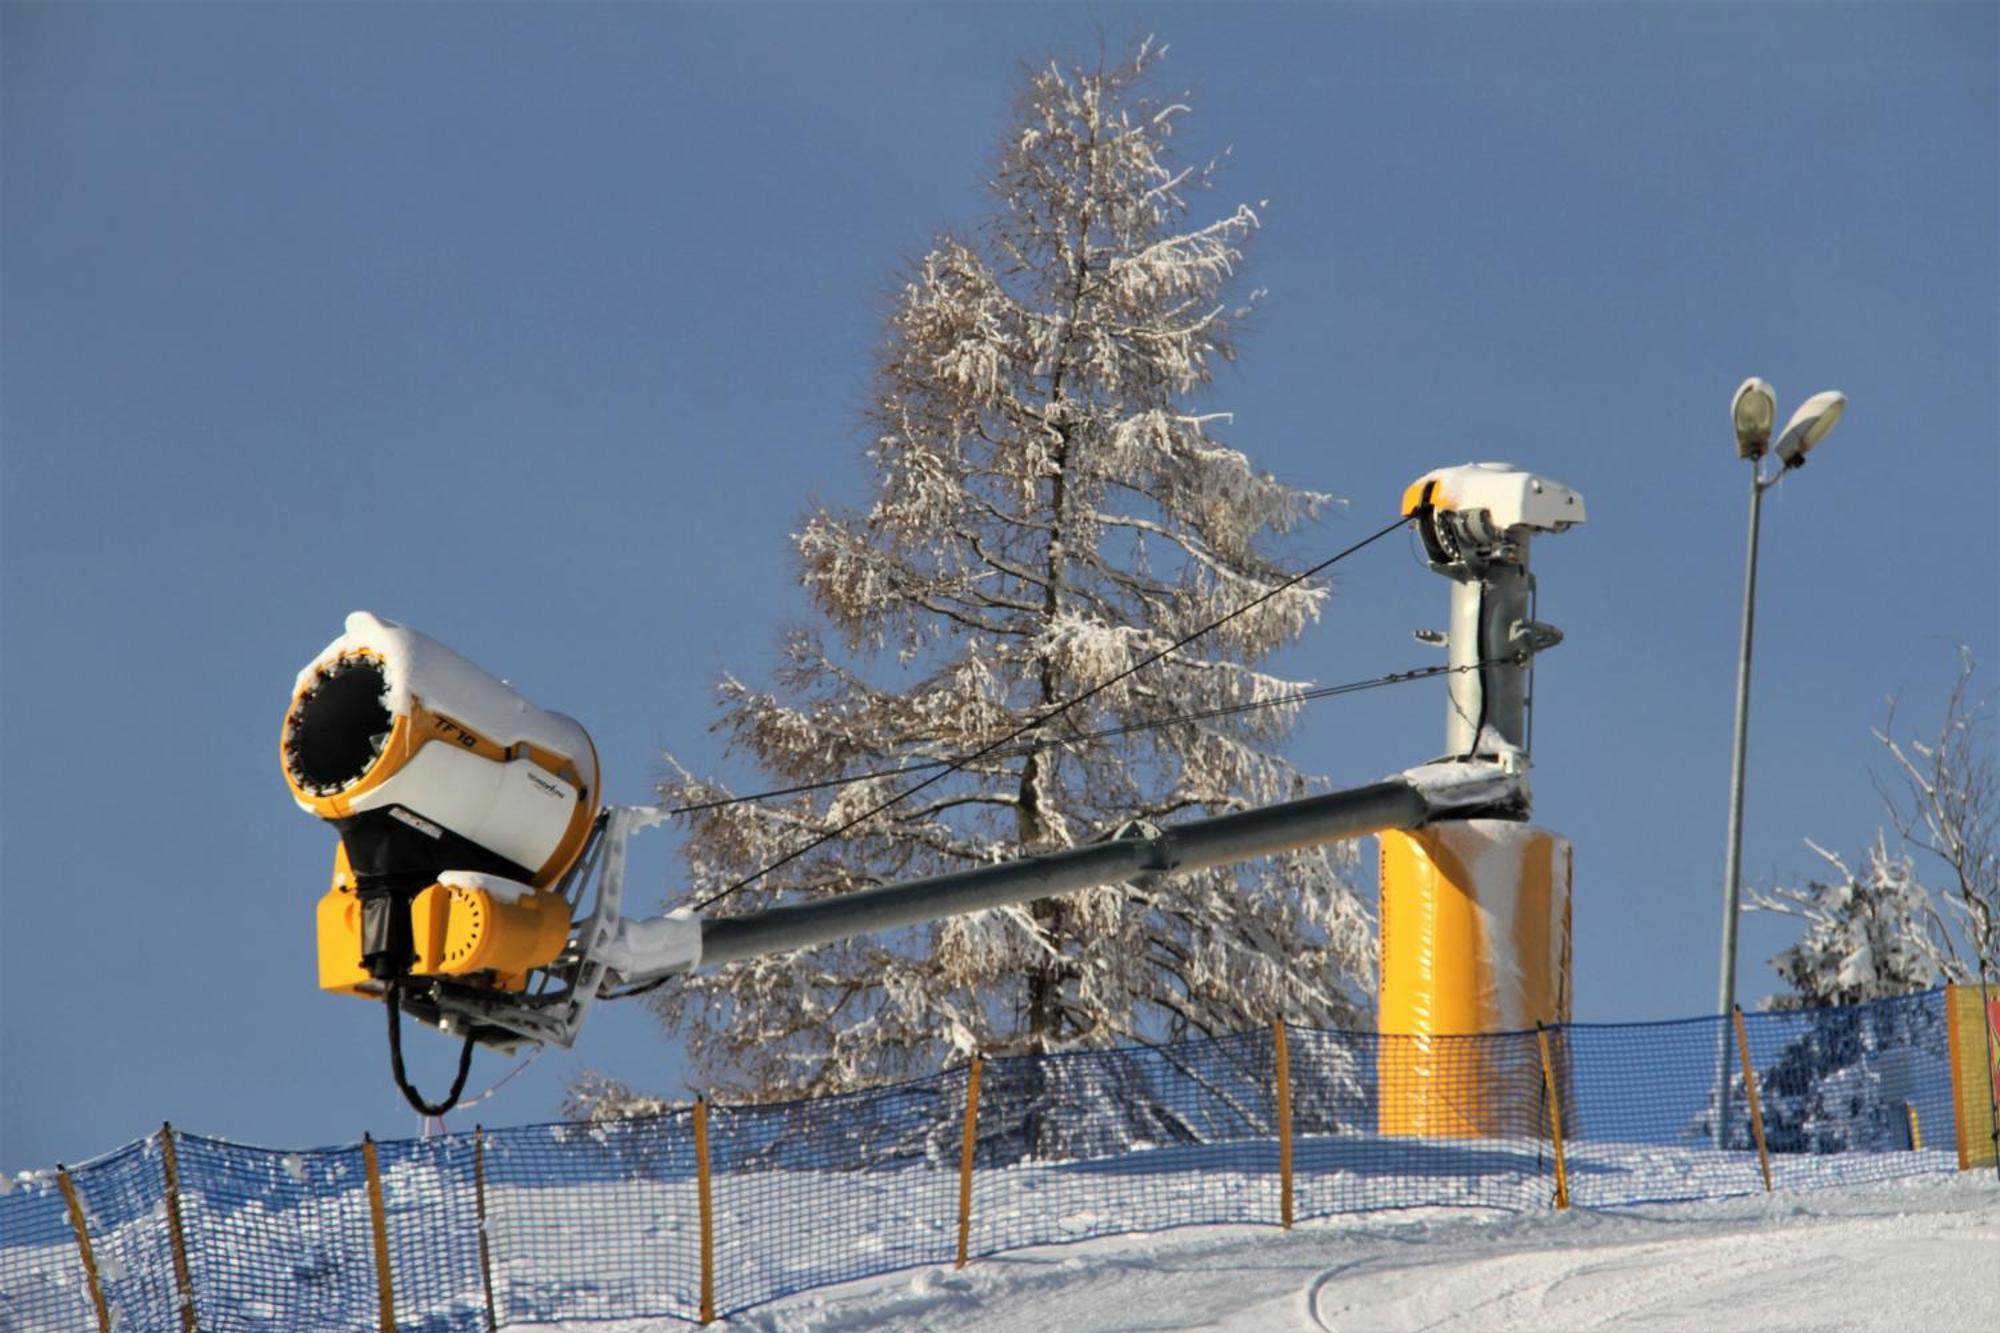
<point>460,805</point>
<point>1475,906</point>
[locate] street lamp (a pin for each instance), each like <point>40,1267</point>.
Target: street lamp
<point>1753,411</point>
<point>1809,425</point>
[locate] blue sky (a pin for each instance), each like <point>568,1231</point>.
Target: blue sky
<point>537,327</point>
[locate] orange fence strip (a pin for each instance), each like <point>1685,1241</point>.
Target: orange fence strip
<point>76,1220</point>
<point>1284,1062</point>
<point>1972,1024</point>
<point>965,1158</point>
<point>1750,1086</point>
<point>479,1202</point>
<point>1555,1118</point>
<point>707,1212</point>
<point>1989,1029</point>
<point>183,1279</point>
<point>378,1215</point>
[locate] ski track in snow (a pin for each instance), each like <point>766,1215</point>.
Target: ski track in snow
<point>1917,1254</point>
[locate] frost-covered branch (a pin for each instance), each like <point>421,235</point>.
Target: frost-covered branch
<point>1946,801</point>
<point>1880,930</point>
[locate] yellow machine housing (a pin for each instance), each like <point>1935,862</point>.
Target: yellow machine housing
<point>463,931</point>
<point>1475,941</point>
<point>339,919</point>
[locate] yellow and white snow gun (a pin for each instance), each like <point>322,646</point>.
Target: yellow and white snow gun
<point>479,878</point>
<point>461,808</point>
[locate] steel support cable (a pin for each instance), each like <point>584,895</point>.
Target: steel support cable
<point>1055,712</point>
<point>1301,696</point>
<point>1108,733</point>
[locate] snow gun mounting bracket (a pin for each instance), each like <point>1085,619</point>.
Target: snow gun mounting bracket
<point>478,882</point>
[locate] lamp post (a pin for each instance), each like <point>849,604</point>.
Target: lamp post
<point>1752,411</point>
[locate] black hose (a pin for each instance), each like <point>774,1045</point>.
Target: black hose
<point>1479,727</point>
<point>392,999</point>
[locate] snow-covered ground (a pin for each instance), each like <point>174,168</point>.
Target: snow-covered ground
<point>1920,1253</point>
<point>282,1241</point>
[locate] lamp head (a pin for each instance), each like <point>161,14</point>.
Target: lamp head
<point>1753,411</point>
<point>1809,425</point>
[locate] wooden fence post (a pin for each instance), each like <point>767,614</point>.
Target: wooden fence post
<point>1555,1117</point>
<point>707,1210</point>
<point>479,1202</point>
<point>183,1278</point>
<point>76,1220</point>
<point>965,1157</point>
<point>1284,1062</point>
<point>379,1217</point>
<point>1750,1087</point>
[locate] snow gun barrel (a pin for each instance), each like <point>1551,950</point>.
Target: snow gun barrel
<point>459,806</point>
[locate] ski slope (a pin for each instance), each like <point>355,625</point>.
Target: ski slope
<point>1920,1253</point>
<point>286,1243</point>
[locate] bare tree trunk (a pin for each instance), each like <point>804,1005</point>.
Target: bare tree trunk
<point>1045,1010</point>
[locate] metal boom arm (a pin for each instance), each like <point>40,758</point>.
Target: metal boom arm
<point>644,951</point>
<point>609,949</point>
<point>1135,852</point>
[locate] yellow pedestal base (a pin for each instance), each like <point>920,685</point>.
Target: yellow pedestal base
<point>1475,941</point>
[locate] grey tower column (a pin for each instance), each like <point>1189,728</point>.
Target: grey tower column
<point>1488,706</point>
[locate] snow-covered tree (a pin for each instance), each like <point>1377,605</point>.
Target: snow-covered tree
<point>1945,801</point>
<point>1839,1081</point>
<point>1866,936</point>
<point>1878,933</point>
<point>1883,931</point>
<point>1049,507</point>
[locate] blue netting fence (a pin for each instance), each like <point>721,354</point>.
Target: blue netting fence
<point>572,1223</point>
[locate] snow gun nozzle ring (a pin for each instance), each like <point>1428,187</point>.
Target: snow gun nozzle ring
<point>338,726</point>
